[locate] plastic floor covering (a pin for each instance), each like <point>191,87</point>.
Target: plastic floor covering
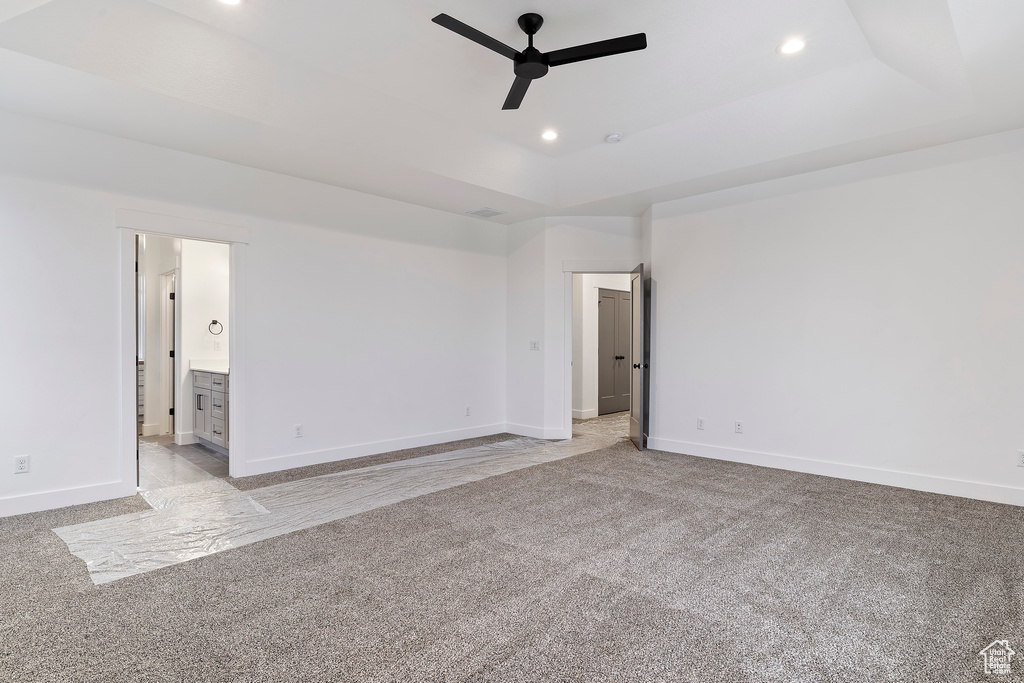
<point>205,517</point>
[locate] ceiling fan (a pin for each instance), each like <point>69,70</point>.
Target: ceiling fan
<point>531,63</point>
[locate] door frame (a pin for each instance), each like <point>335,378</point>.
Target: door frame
<point>569,268</point>
<point>128,223</point>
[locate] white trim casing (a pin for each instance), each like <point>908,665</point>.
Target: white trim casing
<point>237,406</point>
<point>176,226</point>
<point>604,266</point>
<point>872,475</point>
<point>129,222</point>
<point>129,369</point>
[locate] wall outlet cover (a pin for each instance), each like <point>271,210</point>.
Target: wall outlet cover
<point>535,346</point>
<point>700,423</point>
<point>1020,458</point>
<point>21,464</point>
<point>298,431</point>
<point>739,427</point>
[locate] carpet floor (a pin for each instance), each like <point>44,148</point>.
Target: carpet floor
<point>614,565</point>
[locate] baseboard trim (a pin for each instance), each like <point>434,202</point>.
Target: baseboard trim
<point>588,414</point>
<point>538,432</point>
<point>185,438</point>
<point>962,488</point>
<point>523,430</point>
<point>287,462</point>
<point>151,429</point>
<point>51,500</point>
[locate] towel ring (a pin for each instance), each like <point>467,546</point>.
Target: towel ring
<point>218,324</point>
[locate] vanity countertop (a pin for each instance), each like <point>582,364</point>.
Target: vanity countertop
<point>218,366</point>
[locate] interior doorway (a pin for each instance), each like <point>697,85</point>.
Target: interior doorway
<point>183,309</point>
<point>601,353</point>
<point>582,292</point>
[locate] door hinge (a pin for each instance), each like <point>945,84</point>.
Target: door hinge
<point>172,411</point>
<point>172,353</point>
<point>172,296</point>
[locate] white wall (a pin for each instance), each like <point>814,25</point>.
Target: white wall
<point>525,313</point>
<point>584,358</point>
<point>375,323</point>
<point>580,239</point>
<point>160,256</point>
<point>540,309</point>
<point>871,330</point>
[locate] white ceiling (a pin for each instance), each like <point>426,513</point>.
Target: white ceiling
<point>375,97</point>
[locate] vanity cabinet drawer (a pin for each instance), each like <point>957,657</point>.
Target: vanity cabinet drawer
<point>201,380</point>
<point>218,405</point>
<point>219,433</point>
<point>218,382</point>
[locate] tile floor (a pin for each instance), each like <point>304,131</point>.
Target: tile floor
<point>163,464</point>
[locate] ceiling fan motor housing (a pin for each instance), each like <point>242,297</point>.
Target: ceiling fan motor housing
<point>532,65</point>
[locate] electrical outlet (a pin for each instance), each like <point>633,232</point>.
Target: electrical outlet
<point>21,464</point>
<point>298,431</point>
<point>1020,458</point>
<point>739,427</point>
<point>535,346</point>
<point>700,423</point>
<point>467,411</point>
<point>216,344</point>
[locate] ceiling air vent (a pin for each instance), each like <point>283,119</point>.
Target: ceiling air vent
<point>486,213</point>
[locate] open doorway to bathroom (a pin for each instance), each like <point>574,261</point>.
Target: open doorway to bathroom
<point>183,360</point>
<point>601,353</point>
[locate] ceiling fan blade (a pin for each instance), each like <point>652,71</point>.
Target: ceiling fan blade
<point>516,93</point>
<point>476,36</point>
<point>602,48</point>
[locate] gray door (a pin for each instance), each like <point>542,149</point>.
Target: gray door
<point>613,351</point>
<point>638,362</point>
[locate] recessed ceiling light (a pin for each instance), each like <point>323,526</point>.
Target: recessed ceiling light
<point>791,46</point>
<point>232,2</point>
<point>612,138</point>
<point>550,135</point>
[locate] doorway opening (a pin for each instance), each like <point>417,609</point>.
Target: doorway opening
<point>601,353</point>
<point>183,360</point>
<point>623,347</point>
